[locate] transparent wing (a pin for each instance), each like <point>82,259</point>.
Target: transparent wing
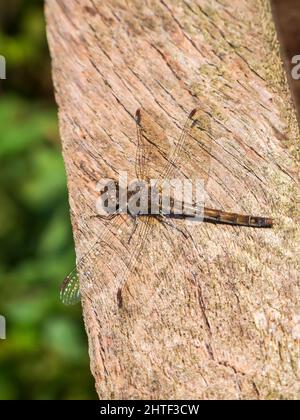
<point>140,159</point>
<point>189,158</point>
<point>70,289</point>
<point>153,147</point>
<point>166,265</point>
<point>153,161</point>
<point>192,153</point>
<point>126,251</point>
<point>136,258</point>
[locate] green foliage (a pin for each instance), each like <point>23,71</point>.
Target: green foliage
<point>45,355</point>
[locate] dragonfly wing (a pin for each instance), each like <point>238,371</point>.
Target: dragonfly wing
<point>70,289</point>
<point>135,261</point>
<point>190,157</point>
<point>192,153</point>
<point>152,149</point>
<point>115,256</point>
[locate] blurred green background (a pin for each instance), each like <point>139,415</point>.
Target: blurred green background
<point>45,355</point>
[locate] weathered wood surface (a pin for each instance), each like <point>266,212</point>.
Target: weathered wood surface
<point>222,321</point>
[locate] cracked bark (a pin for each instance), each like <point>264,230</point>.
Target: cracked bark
<point>218,314</point>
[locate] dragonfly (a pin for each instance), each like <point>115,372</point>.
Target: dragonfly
<point>191,155</point>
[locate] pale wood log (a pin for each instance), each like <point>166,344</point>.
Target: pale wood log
<point>223,322</point>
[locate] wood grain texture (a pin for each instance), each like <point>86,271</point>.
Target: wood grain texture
<point>214,313</point>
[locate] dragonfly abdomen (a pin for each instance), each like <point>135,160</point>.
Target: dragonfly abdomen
<point>222,217</point>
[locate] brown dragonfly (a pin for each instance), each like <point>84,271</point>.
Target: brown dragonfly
<point>191,155</point>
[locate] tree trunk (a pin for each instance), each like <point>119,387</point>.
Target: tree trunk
<point>212,313</point>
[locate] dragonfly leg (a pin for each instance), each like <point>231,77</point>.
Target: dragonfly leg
<point>135,224</point>
<point>108,217</point>
<point>170,222</point>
